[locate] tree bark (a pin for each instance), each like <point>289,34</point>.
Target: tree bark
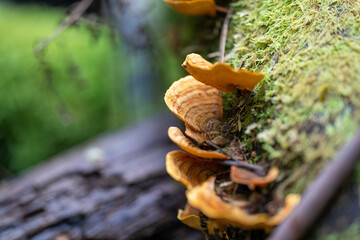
<point>308,105</point>
<point>114,187</point>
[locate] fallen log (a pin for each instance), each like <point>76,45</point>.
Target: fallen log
<point>114,187</point>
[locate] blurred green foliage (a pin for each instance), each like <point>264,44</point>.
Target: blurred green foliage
<point>53,101</point>
<point>81,86</point>
<point>50,102</point>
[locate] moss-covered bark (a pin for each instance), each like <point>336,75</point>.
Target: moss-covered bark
<point>309,103</point>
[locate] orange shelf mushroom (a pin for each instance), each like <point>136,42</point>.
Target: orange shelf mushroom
<point>204,198</point>
<point>185,144</point>
<point>198,105</point>
<point>199,137</point>
<point>190,217</point>
<point>220,75</point>
<point>197,101</point>
<point>193,7</point>
<point>191,172</point>
<point>251,179</point>
<point>188,170</point>
<point>198,176</point>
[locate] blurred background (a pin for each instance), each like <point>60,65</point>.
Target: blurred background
<point>109,69</point>
<point>83,123</point>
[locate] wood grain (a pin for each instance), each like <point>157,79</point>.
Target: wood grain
<point>114,187</point>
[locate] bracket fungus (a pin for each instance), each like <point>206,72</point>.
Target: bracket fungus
<point>234,200</point>
<point>185,144</point>
<point>188,170</point>
<point>190,217</point>
<point>251,179</point>
<point>198,105</point>
<point>198,175</point>
<point>193,7</point>
<point>204,198</point>
<point>220,75</point>
<point>199,137</point>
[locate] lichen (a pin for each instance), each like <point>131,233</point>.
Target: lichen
<point>308,105</point>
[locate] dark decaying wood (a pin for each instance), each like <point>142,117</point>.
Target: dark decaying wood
<point>114,187</point>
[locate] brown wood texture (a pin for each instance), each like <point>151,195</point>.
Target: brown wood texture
<point>114,187</point>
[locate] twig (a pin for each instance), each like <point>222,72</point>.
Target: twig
<point>223,36</point>
<point>274,60</point>
<point>318,195</point>
<point>221,9</point>
<point>233,157</point>
<point>245,103</point>
<point>48,74</point>
<point>254,168</point>
<point>235,189</point>
<point>236,162</point>
<point>71,19</point>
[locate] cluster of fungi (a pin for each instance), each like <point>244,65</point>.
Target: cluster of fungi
<point>223,189</point>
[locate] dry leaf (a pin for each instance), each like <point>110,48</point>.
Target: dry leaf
<point>194,7</point>
<point>251,179</point>
<point>220,75</point>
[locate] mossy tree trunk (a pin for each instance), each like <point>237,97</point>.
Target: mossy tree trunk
<point>309,104</point>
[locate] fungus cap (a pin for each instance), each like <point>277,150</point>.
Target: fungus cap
<point>251,179</point>
<point>198,105</point>
<point>204,198</point>
<point>188,170</point>
<point>185,144</point>
<point>194,7</point>
<point>199,137</point>
<point>220,75</point>
<point>190,217</point>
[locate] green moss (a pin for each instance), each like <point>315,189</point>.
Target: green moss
<point>307,106</point>
<point>50,103</point>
